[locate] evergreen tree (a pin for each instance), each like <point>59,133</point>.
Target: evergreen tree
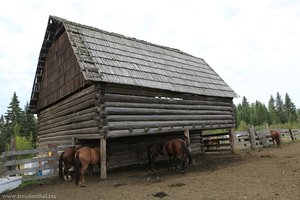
<point>16,122</point>
<point>11,121</point>
<point>280,109</point>
<point>272,111</point>
<point>29,124</point>
<point>3,135</point>
<point>290,109</point>
<point>244,111</point>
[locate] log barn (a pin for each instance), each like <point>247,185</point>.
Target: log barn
<point>94,85</point>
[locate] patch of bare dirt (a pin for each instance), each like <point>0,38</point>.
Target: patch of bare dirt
<point>268,173</point>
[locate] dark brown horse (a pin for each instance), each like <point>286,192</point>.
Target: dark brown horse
<point>173,150</point>
<point>85,157</point>
<point>66,161</point>
<point>275,134</point>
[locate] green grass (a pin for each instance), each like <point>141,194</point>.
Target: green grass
<point>48,181</point>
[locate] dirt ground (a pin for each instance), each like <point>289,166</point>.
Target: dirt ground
<point>268,173</point>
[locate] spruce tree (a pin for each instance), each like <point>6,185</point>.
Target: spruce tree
<point>29,124</point>
<point>12,121</point>
<point>272,111</point>
<point>244,111</point>
<point>280,109</point>
<point>290,109</point>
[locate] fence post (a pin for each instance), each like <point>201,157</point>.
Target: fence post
<point>291,133</point>
<point>252,137</point>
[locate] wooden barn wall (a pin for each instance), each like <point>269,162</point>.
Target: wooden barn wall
<point>62,75</point>
<point>74,117</point>
<point>130,111</point>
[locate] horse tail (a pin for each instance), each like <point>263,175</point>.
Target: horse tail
<point>60,166</point>
<point>77,168</point>
<point>187,151</point>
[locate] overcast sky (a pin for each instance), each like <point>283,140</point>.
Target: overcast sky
<point>253,45</point>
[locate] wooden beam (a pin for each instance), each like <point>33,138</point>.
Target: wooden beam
<point>187,135</point>
<point>103,174</point>
<point>231,137</point>
<point>252,137</point>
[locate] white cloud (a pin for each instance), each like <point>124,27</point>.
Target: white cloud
<point>253,45</point>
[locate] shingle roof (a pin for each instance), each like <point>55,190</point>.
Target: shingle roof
<point>114,58</point>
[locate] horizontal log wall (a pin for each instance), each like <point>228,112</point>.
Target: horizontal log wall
<point>74,117</point>
<point>135,111</point>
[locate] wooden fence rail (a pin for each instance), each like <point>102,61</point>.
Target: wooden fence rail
<point>263,138</point>
<point>13,163</point>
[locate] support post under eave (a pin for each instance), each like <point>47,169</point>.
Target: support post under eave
<point>231,139</point>
<point>187,135</point>
<point>103,169</point>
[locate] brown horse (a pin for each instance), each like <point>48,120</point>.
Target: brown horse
<point>275,134</point>
<point>66,161</point>
<point>174,150</point>
<point>85,157</point>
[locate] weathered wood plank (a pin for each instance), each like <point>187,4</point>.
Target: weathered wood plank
<point>145,111</point>
<point>73,126</point>
<point>168,106</point>
<point>163,130</point>
<point>147,124</point>
<point>74,117</point>
<point>30,151</point>
<point>121,118</point>
<point>74,132</point>
<point>28,160</point>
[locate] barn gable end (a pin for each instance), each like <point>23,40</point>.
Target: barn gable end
<point>93,84</point>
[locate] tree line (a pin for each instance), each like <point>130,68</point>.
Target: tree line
<point>278,111</point>
<point>18,124</point>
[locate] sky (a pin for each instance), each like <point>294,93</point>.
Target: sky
<point>253,45</point>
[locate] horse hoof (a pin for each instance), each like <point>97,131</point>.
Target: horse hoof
<point>82,185</point>
<point>69,178</point>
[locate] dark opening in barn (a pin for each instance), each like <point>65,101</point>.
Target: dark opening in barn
<point>94,84</point>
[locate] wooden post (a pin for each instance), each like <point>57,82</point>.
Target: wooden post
<point>262,139</point>
<point>13,147</point>
<point>291,133</point>
<point>187,135</point>
<point>231,138</point>
<point>202,143</point>
<point>103,174</point>
<point>252,137</point>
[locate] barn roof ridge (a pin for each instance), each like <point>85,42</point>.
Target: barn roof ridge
<point>120,35</point>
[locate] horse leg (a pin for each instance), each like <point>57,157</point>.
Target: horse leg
<point>67,175</point>
<point>90,168</point>
<point>183,159</point>
<point>82,172</point>
<point>170,163</point>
